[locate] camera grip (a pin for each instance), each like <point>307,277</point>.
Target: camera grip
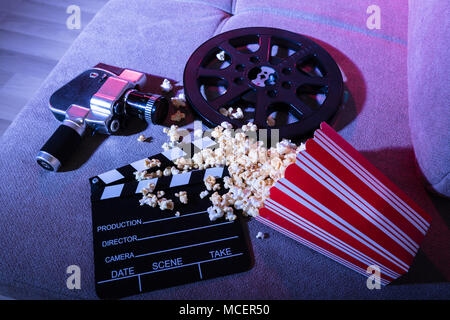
<point>59,147</point>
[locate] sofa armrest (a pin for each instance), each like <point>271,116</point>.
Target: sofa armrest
<point>429,97</point>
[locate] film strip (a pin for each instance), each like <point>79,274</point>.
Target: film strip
<point>141,248</point>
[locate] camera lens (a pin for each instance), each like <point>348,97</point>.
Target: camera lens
<point>146,106</point>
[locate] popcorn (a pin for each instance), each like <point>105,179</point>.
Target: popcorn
<point>167,171</point>
<point>178,116</point>
<point>238,114</point>
<point>183,164</point>
<point>182,196</point>
<point>226,125</point>
<point>249,127</point>
<point>270,121</point>
<point>210,181</point>
<point>166,146</point>
<point>214,213</point>
<point>141,138</point>
<point>253,169</point>
<point>144,175</point>
<point>227,182</point>
<point>149,199</point>
<point>285,146</point>
<point>301,147</point>
<point>221,56</point>
<point>173,133</point>
<point>216,199</point>
<point>198,133</point>
<point>148,190</point>
<point>151,163</point>
<point>229,215</point>
<point>177,214</point>
<point>260,235</point>
<point>160,194</point>
<point>224,112</point>
<point>166,86</point>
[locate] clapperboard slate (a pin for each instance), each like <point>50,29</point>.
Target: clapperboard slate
<point>140,248</point>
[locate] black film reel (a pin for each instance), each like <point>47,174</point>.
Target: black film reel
<point>279,79</point>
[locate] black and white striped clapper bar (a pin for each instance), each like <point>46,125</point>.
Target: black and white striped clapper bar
<point>126,172</point>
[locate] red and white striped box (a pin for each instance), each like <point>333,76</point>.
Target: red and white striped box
<point>336,202</point>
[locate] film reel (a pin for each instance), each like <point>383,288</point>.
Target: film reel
<point>279,79</point>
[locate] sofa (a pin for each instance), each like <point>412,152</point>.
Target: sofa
<point>395,113</point>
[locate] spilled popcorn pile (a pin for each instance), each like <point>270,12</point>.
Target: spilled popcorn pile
<point>253,169</point>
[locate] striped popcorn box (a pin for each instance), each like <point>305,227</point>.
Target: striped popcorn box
<point>336,202</point>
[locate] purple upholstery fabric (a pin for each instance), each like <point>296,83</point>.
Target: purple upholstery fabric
<point>45,220</point>
<point>429,97</point>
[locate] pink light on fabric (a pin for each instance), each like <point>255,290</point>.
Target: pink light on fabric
<point>336,202</point>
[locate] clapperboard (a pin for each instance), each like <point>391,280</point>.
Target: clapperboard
<point>140,248</point>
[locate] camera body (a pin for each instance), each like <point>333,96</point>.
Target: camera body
<point>100,100</point>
